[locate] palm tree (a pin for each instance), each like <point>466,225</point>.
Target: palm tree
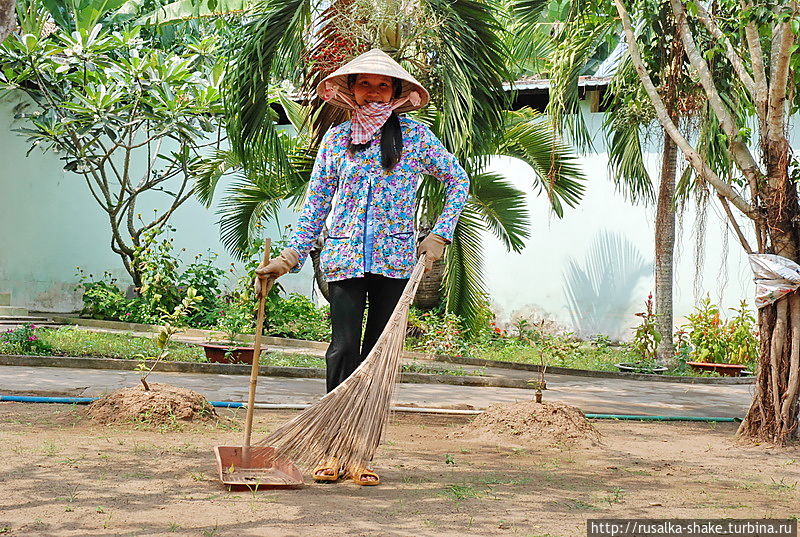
<point>456,48</point>
<point>582,38</point>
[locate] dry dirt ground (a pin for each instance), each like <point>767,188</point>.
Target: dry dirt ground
<point>67,476</point>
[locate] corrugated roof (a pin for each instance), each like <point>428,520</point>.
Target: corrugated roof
<point>535,83</point>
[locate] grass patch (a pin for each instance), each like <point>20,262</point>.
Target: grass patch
<point>288,359</point>
<point>583,356</point>
<point>70,341</point>
<point>461,492</point>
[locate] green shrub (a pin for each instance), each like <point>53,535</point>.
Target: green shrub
<point>646,336</point>
<point>438,333</point>
<point>712,339</point>
<point>297,317</point>
<point>24,340</point>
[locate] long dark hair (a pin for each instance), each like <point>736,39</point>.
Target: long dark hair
<point>391,134</point>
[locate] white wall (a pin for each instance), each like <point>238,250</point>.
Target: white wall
<point>532,283</point>
<point>50,224</point>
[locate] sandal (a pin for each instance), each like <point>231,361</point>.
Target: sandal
<point>327,471</point>
<point>365,477</point>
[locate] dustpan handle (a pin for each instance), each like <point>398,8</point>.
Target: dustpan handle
<point>251,397</point>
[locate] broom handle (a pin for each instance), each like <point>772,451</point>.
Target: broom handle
<point>251,398</point>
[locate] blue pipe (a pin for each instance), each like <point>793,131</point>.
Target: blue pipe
<point>85,400</point>
<point>228,404</point>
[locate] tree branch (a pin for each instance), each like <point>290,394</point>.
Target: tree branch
<point>689,152</point>
<point>759,74</point>
<point>733,56</point>
<point>779,77</point>
<point>738,149</point>
<point>735,224</point>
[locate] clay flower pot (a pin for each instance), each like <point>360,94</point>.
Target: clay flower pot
<point>228,353</point>
<point>726,370</point>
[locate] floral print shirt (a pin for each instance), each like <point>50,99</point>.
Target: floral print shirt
<point>372,229</point>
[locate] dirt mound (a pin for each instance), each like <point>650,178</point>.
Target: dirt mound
<point>529,422</point>
<point>162,405</point>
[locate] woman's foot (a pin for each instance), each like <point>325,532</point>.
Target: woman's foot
<point>327,471</point>
<point>365,477</point>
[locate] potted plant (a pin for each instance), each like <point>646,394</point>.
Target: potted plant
<point>720,346</point>
<point>235,319</point>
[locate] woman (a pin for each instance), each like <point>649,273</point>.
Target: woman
<point>366,173</point>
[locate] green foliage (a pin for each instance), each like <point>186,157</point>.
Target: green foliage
<point>162,285</point>
<point>159,270</point>
<point>297,317</point>
<point>646,336</point>
<point>103,299</point>
<point>440,333</point>
<point>235,318</point>
<point>207,279</point>
<point>102,94</point>
<point>170,325</point>
<point>715,340</point>
<point>24,340</point>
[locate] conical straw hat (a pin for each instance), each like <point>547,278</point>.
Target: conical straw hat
<point>373,62</point>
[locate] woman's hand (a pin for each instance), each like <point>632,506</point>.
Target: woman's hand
<point>433,246</point>
<point>276,268</point>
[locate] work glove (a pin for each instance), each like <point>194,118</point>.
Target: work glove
<point>433,246</point>
<point>276,268</point>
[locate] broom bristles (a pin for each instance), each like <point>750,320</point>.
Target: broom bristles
<point>347,424</point>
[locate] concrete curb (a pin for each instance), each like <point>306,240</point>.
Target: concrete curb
<point>244,369</point>
<point>414,355</point>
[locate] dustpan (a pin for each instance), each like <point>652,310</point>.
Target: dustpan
<point>259,466</point>
<point>264,469</point>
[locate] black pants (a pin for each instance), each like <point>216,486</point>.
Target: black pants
<point>348,299</point>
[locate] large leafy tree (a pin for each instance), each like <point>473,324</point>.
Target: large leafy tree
<point>126,111</point>
<point>741,55</point>
<point>456,49</point>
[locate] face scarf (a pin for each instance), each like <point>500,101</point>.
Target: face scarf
<point>369,118</point>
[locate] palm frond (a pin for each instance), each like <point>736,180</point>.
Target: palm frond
<point>628,114</point>
<point>269,43</point>
<point>625,162</point>
<point>529,40</point>
<point>504,209</point>
<point>468,59</point>
<point>208,171</point>
<point>528,12</point>
<point>578,42</point>
<point>528,137</point>
<point>463,281</point>
<point>242,210</point>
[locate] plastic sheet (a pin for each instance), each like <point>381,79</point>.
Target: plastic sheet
<point>775,277</point>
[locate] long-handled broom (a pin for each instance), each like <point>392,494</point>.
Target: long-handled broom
<point>347,424</point>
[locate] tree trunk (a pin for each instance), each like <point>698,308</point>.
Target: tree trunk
<point>429,294</point>
<point>665,249</point>
<point>8,18</point>
<point>322,285</point>
<point>773,415</point>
